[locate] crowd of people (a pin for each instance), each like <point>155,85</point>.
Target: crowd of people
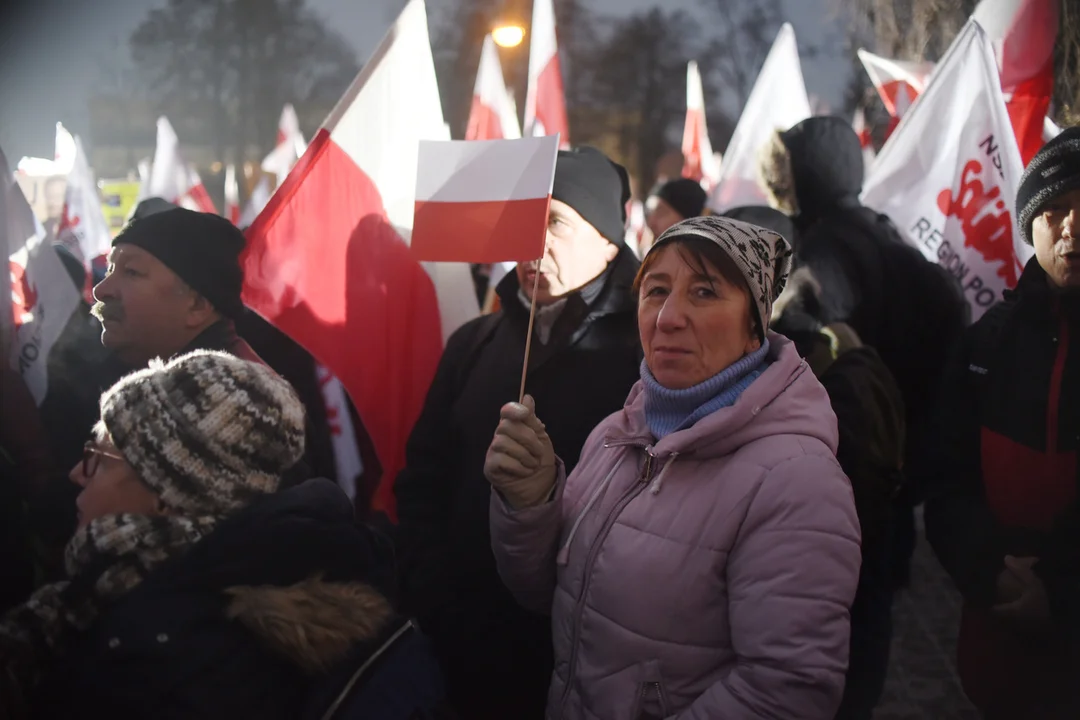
<point>703,506</point>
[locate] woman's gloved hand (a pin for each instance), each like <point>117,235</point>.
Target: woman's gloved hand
<point>520,463</point>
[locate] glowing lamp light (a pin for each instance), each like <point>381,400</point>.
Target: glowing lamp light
<point>508,36</point>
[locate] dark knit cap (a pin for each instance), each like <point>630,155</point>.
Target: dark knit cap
<point>596,187</point>
<point>768,218</point>
<point>1053,171</point>
<point>150,206</point>
<point>203,249</point>
<point>685,196</point>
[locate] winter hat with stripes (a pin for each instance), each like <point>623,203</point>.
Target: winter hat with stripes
<point>1054,171</point>
<point>207,432</point>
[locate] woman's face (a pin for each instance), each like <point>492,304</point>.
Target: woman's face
<point>692,324</point>
<point>110,485</point>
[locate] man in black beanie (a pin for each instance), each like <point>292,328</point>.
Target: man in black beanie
<point>497,657</point>
<point>673,202</point>
<point>1002,508</point>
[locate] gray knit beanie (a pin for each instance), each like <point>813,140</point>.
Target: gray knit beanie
<point>1053,171</point>
<point>762,256</point>
<point>207,432</point>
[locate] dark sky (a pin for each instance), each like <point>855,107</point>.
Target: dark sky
<point>53,53</point>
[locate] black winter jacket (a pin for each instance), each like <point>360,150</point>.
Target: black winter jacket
<point>492,649</point>
<point>235,627</point>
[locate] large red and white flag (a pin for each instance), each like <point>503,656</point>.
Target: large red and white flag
<point>778,101</point>
<point>545,103</point>
<point>699,162</point>
<point>948,175</point>
<point>484,201</point>
<point>82,227</point>
<point>38,287</point>
<point>493,115</point>
<point>232,195</point>
<point>171,178</point>
<point>1023,33</point>
<point>327,261</point>
<point>897,82</point>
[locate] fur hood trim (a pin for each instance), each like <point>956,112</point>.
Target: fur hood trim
<point>778,176</point>
<point>314,623</point>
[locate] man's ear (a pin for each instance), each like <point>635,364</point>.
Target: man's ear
<point>612,251</point>
<point>200,310</point>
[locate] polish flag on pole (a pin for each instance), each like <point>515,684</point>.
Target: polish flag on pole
<point>545,104</point>
<point>82,227</point>
<point>232,195</point>
<point>38,287</point>
<point>948,175</point>
<point>171,178</point>
<point>289,148</point>
<point>493,115</point>
<point>484,201</point>
<point>778,101</point>
<point>326,260</point>
<point>699,162</point>
<point>1024,33</point>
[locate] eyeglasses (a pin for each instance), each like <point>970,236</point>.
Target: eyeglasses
<point>91,458</point>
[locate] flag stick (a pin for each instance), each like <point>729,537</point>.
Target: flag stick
<point>528,338</point>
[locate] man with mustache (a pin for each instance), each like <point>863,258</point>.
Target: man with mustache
<point>1002,508</point>
<point>497,657</point>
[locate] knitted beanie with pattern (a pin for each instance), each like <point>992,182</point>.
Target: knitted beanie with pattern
<point>207,432</point>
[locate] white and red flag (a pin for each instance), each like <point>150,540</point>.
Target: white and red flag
<point>38,288</point>
<point>289,146</point>
<point>171,178</point>
<point>484,201</point>
<point>545,102</point>
<point>493,115</point>
<point>897,82</point>
<point>232,195</point>
<point>327,261</point>
<point>778,101</point>
<point>1023,33</point>
<point>82,227</point>
<point>948,175</point>
<point>699,162</point>
<point>866,141</point>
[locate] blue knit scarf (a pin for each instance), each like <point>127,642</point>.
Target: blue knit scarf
<point>669,410</point>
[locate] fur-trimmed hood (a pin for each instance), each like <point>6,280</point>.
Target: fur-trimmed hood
<point>314,623</point>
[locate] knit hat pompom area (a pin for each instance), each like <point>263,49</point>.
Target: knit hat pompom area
<point>207,432</point>
<point>1054,171</point>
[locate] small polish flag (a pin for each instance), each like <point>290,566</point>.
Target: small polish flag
<point>897,82</point>
<point>483,201</point>
<point>699,162</point>
<point>171,178</point>
<point>493,115</point>
<point>545,103</point>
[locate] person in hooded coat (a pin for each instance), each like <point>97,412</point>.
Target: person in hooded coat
<point>497,656</point>
<point>196,587</point>
<point>908,309</point>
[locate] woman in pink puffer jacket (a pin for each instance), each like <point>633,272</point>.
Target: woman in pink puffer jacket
<point>701,560</point>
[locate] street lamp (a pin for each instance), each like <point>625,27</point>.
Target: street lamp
<point>508,36</point>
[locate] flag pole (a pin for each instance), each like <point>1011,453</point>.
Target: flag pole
<point>528,338</point>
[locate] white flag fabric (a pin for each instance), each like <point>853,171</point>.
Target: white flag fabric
<point>171,178</point>
<point>699,161</point>
<point>288,148</point>
<point>777,102</point>
<point>232,195</point>
<point>40,290</point>
<point>260,196</point>
<point>347,460</point>
<point>545,101</point>
<point>897,82</point>
<point>82,227</point>
<point>949,173</point>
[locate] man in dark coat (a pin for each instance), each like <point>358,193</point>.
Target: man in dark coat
<point>908,309</point>
<point>585,353</point>
<point>1002,507</point>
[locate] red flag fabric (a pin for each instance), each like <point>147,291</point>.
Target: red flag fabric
<point>545,105</point>
<point>325,265</point>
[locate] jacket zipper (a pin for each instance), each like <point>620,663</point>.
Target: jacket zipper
<point>645,694</point>
<point>590,560</point>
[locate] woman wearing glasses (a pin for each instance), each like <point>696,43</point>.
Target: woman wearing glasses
<point>195,588</point>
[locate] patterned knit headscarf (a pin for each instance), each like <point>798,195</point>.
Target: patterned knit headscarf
<point>762,256</point>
